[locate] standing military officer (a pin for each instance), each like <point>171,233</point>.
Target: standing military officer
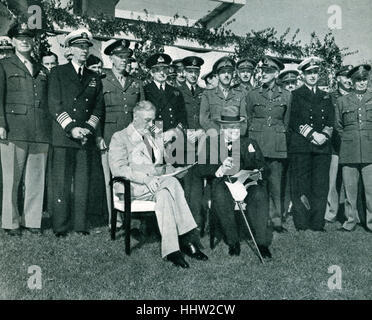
<point>288,79</point>
<point>343,87</point>
<point>268,116</point>
<point>214,101</point>
<point>77,105</point>
<point>180,72</point>
<point>354,123</point>
<point>24,132</point>
<point>121,93</point>
<point>244,69</point>
<point>310,130</point>
<point>168,100</point>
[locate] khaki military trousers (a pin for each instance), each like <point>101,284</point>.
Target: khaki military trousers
<point>350,176</point>
<point>29,160</point>
<point>333,199</point>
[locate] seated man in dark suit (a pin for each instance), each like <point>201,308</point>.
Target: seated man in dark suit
<point>230,153</point>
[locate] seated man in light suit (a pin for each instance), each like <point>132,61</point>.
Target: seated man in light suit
<point>137,156</point>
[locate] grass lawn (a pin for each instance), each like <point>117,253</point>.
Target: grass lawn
<point>94,267</point>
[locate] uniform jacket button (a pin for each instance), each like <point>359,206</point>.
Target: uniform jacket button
<point>86,99</point>
<point>74,109</point>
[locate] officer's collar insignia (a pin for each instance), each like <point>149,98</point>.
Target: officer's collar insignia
<point>194,62</point>
<point>160,59</point>
<point>84,35</point>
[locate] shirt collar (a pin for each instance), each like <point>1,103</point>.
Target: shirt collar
<point>158,84</point>
<point>189,85</point>
<point>22,58</point>
<point>310,88</point>
<point>76,67</point>
<point>118,75</point>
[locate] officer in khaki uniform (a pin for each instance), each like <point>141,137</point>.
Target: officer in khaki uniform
<point>335,175</point>
<point>215,100</point>
<point>244,70</point>
<point>354,123</point>
<point>76,103</point>
<point>121,93</point>
<point>268,116</point>
<point>24,132</point>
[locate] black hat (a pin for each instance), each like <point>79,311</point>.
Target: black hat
<point>246,63</point>
<point>224,62</point>
<point>119,46</point>
<point>344,70</point>
<point>193,62</point>
<point>359,71</point>
<point>158,59</point>
<point>288,75</point>
<point>271,62</point>
<point>230,114</point>
<point>20,29</point>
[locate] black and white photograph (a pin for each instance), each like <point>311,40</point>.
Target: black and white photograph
<point>185,156</point>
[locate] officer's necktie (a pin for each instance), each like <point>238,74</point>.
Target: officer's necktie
<point>28,65</point>
<point>80,74</point>
<point>192,90</point>
<point>149,148</point>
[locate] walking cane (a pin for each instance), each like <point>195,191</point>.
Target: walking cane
<point>247,224</point>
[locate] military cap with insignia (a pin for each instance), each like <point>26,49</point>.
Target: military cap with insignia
<point>20,29</point>
<point>246,63</point>
<point>360,71</point>
<point>192,62</point>
<point>344,70</point>
<point>309,64</point>
<point>270,62</point>
<point>79,36</point>
<point>119,47</point>
<point>5,43</point>
<point>224,62</point>
<point>158,59</point>
<point>288,76</point>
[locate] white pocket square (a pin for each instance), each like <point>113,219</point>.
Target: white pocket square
<point>251,148</point>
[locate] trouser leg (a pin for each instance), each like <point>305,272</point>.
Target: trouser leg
<point>63,163</point>
<point>333,197</point>
<point>258,213</point>
<point>350,175</point>
<point>13,158</point>
<point>367,181</point>
<point>274,191</point>
<point>81,188</point>
<point>300,176</point>
<point>223,206</point>
<point>319,190</point>
<point>34,184</point>
<point>107,176</point>
<point>173,214</point>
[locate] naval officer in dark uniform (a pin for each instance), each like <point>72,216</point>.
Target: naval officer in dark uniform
<point>310,132</point>
<point>77,106</point>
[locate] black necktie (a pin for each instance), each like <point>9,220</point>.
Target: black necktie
<point>80,75</point>
<point>229,149</point>
<point>192,90</point>
<point>149,148</point>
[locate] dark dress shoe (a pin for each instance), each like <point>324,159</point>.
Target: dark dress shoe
<point>193,252</point>
<point>265,252</point>
<point>234,250</point>
<point>60,234</point>
<point>280,229</point>
<point>33,230</point>
<point>178,260</point>
<point>13,232</point>
<point>83,233</point>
